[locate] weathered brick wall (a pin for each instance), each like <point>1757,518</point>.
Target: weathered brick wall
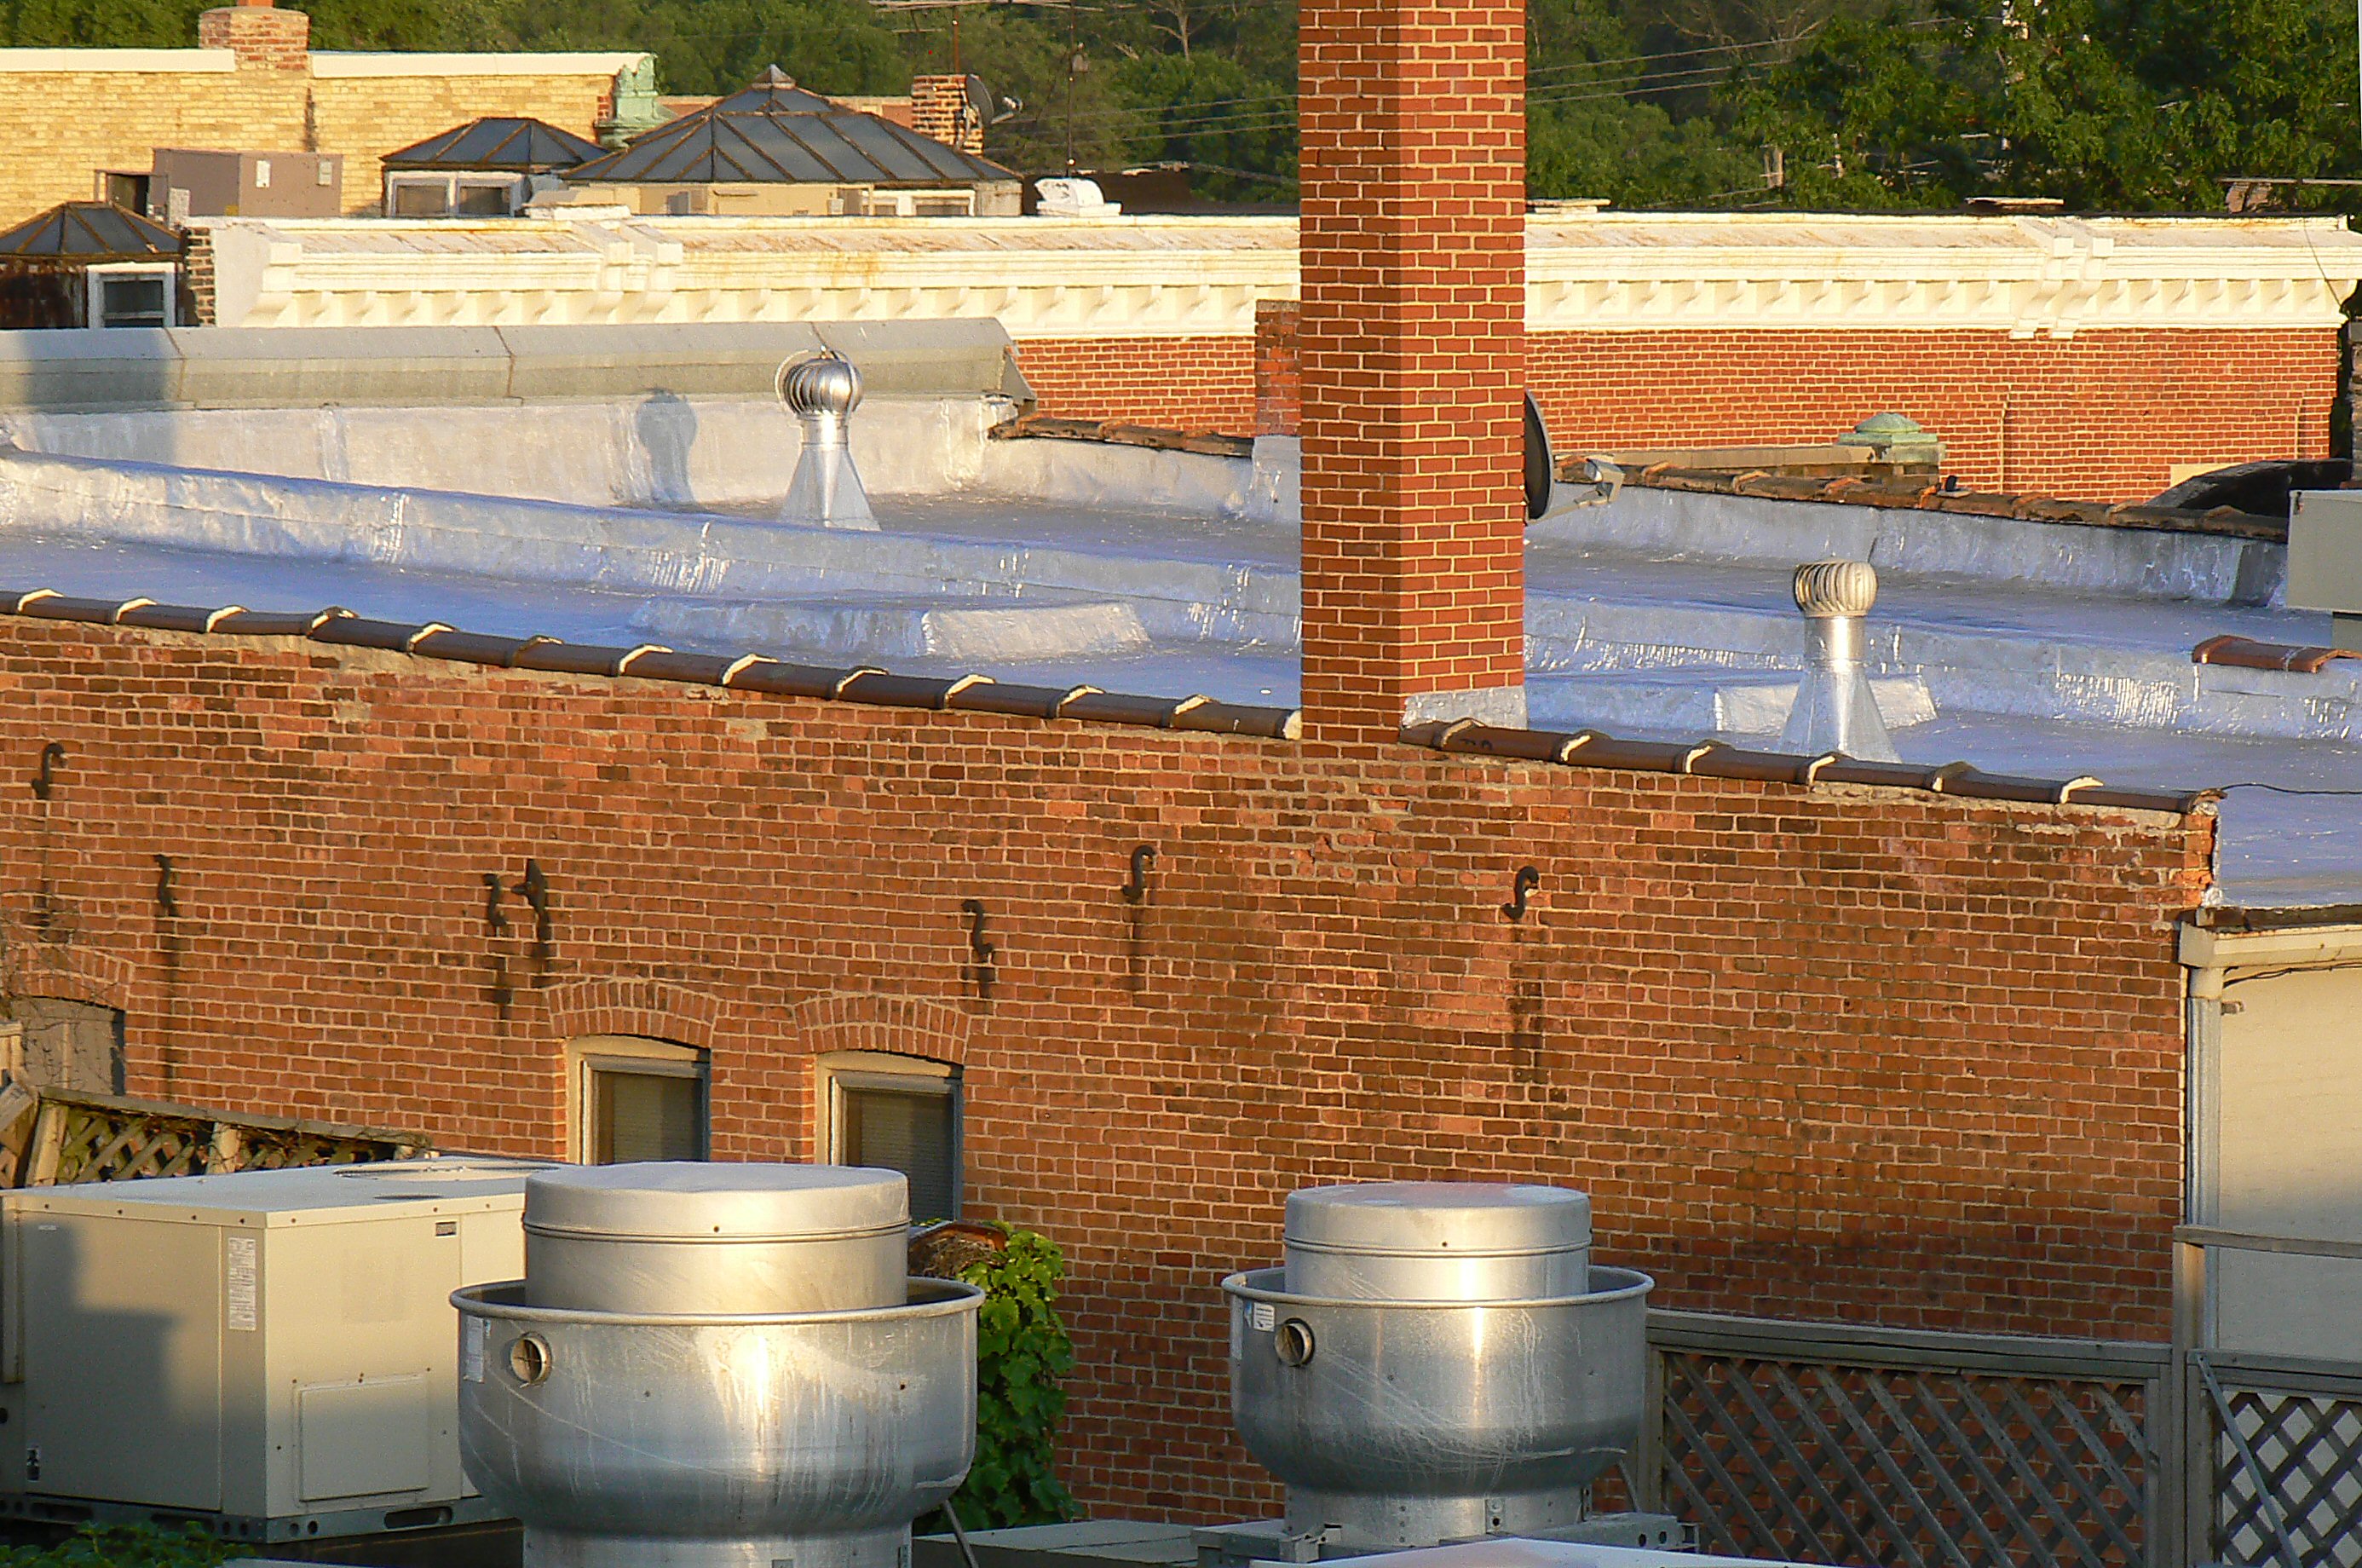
<point>2102,416</point>
<point>1194,383</point>
<point>1835,1053</point>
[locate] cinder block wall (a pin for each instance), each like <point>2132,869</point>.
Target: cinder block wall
<point>2102,416</point>
<point>1831,1054</point>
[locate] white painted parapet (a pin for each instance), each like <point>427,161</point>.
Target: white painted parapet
<point>1171,276</point>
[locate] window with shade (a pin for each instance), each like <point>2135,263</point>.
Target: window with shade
<point>637,1100</point>
<point>898,1113</point>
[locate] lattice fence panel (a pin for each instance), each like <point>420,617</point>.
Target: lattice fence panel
<point>2308,1448</point>
<point>1906,1467</point>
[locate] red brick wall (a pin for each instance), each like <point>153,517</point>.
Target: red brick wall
<point>1190,383</point>
<point>2102,416</point>
<point>1839,1052</point>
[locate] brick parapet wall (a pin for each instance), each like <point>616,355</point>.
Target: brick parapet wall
<point>1826,1053</point>
<point>1190,383</point>
<point>2105,416</point>
<point>2101,416</point>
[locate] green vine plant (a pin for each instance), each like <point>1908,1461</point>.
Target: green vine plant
<point>126,1546</point>
<point>1023,1355</point>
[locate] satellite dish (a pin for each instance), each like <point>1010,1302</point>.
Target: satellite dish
<point>1541,468</point>
<point>989,108</point>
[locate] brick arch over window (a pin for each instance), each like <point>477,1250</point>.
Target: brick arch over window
<point>68,971</point>
<point>653,1009</point>
<point>866,1021</point>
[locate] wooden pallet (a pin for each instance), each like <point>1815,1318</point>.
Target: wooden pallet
<point>56,1137</point>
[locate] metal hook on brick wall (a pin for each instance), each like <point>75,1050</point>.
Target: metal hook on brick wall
<point>493,917</point>
<point>167,899</point>
<point>1528,880</point>
<point>977,946</point>
<point>53,756</point>
<point>1137,888</point>
<point>534,891</point>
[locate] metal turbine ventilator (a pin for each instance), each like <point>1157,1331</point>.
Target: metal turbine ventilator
<point>826,492</point>
<point>1435,1361</point>
<point>717,1366</point>
<point>1835,709</point>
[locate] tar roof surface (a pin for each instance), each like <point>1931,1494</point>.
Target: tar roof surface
<point>775,133</point>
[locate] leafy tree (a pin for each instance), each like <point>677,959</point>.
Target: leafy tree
<point>2130,104</point>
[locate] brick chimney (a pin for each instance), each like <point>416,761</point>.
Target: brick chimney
<point>939,108</point>
<point>259,34</point>
<point>1413,363</point>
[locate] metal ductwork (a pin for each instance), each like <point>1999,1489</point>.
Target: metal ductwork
<point>1435,1361</point>
<point>717,1366</point>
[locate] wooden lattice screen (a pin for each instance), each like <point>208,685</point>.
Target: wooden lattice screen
<point>51,1137</point>
<point>2288,1464</point>
<point>1926,1451</point>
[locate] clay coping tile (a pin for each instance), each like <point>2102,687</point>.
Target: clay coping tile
<point>977,693</point>
<point>1714,759</point>
<point>777,678</point>
<point>355,632</point>
<point>166,618</point>
<point>242,623</point>
<point>663,664</point>
<point>1112,707</point>
<point>569,658</point>
<point>1898,495</point>
<point>876,686</point>
<point>1011,700</point>
<point>2244,652</point>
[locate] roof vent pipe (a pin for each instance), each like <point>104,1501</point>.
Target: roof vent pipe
<point>1835,709</point>
<point>826,492</point>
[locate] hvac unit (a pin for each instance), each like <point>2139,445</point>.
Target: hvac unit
<point>270,1352</point>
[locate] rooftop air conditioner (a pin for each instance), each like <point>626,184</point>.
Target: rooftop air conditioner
<point>271,1352</point>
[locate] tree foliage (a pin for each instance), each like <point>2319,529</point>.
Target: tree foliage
<point>2136,104</point>
<point>2105,104</point>
<point>1022,1356</point>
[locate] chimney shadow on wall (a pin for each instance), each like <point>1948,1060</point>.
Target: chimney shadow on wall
<point>665,428</point>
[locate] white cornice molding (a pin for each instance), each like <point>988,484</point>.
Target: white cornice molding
<point>329,64</point>
<point>1202,277</point>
